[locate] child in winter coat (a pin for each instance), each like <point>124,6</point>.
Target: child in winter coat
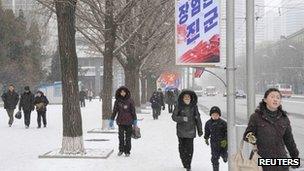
<point>216,130</point>
<point>125,109</point>
<point>188,120</point>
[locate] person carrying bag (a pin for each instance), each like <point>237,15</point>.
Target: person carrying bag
<point>240,163</point>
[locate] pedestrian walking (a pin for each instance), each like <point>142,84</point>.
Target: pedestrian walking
<point>124,109</point>
<point>90,94</point>
<point>188,120</point>
<point>216,131</point>
<point>82,97</point>
<point>41,102</point>
<point>27,105</point>
<point>270,129</point>
<point>170,100</point>
<point>10,100</point>
<point>157,103</point>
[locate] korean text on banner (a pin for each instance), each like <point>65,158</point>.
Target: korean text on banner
<point>197,38</point>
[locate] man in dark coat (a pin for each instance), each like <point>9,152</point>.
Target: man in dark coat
<point>41,102</point>
<point>27,104</point>
<point>216,130</point>
<point>124,108</point>
<point>188,120</point>
<point>82,97</point>
<point>10,100</point>
<point>170,100</point>
<point>156,104</point>
<point>269,128</point>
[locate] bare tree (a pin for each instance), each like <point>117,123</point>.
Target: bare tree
<point>72,142</point>
<point>149,32</point>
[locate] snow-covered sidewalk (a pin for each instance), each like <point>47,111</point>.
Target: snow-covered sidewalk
<point>157,150</point>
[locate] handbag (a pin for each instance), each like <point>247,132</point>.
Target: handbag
<point>239,163</point>
<point>18,115</point>
<point>136,132</point>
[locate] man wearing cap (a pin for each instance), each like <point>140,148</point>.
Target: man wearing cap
<point>10,99</point>
<point>27,105</point>
<point>216,130</point>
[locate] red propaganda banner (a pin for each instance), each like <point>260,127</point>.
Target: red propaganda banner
<point>169,79</point>
<point>197,28</point>
<point>198,72</point>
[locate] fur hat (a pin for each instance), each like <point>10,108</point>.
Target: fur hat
<point>215,109</point>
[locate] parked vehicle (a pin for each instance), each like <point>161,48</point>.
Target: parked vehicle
<point>211,91</point>
<point>285,89</point>
<point>240,94</point>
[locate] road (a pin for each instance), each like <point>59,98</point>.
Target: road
<point>294,106</point>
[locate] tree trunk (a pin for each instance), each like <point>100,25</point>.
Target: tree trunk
<point>132,82</point>
<point>143,98</point>
<point>72,142</point>
<point>151,86</point>
<point>110,38</point>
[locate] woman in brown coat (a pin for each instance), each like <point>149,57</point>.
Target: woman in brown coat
<point>271,129</point>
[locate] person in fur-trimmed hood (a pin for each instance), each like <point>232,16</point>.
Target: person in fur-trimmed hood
<point>124,108</point>
<point>188,120</point>
<point>270,129</point>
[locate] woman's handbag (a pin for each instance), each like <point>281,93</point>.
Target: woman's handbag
<point>240,163</point>
<point>18,115</point>
<point>135,132</point>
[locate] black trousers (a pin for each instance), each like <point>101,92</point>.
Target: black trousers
<point>170,108</point>
<point>41,114</point>
<point>185,147</point>
<point>217,152</point>
<point>156,112</point>
<point>124,136</point>
<point>10,113</point>
<point>82,103</point>
<point>27,117</point>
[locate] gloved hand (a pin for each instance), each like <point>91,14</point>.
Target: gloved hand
<point>207,141</point>
<point>223,143</point>
<point>135,122</point>
<point>200,134</point>
<point>185,119</point>
<point>163,107</point>
<point>111,123</point>
<point>250,137</point>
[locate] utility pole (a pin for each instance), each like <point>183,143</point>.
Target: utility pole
<point>250,46</point>
<point>230,71</point>
<point>188,77</point>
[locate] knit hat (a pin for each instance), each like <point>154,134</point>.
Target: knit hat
<point>215,109</point>
<point>27,88</point>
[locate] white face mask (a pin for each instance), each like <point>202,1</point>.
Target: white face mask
<point>187,101</point>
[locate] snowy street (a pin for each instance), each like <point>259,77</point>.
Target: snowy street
<point>157,150</point>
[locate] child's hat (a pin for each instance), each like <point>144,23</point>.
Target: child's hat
<point>215,109</point>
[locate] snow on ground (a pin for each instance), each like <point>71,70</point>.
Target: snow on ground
<point>157,150</point>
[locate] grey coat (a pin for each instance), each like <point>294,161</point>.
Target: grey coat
<point>187,129</point>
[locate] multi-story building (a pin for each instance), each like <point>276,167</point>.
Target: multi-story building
<point>26,5</point>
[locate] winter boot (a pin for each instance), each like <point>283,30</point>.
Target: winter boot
<point>225,159</point>
<point>127,154</point>
<point>216,167</point>
<point>120,153</point>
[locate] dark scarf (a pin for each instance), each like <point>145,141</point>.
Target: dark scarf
<point>271,115</point>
